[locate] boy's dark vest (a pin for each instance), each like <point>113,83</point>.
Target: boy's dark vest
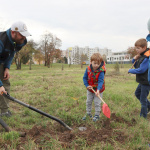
<point>142,78</point>
<point>93,78</point>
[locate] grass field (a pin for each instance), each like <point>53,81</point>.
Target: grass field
<point>61,93</point>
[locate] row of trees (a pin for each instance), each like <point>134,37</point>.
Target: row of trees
<point>46,51</point>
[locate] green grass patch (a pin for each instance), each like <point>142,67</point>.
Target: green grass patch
<point>62,94</point>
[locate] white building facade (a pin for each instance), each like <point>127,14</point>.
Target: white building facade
<point>120,57</point>
<point>75,53</point>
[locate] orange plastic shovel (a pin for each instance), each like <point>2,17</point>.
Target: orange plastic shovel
<point>105,108</point>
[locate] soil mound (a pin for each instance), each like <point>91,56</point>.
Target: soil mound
<point>105,133</point>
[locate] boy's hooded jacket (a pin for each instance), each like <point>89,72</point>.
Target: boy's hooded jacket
<point>8,48</point>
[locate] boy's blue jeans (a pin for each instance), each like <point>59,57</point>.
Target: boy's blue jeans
<point>141,93</point>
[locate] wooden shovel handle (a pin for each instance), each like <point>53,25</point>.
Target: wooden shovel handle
<point>133,64</point>
<point>98,96</point>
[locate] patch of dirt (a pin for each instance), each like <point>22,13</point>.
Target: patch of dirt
<point>106,133</point>
<point>122,120</point>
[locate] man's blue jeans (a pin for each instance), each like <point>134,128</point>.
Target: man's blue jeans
<point>141,93</point>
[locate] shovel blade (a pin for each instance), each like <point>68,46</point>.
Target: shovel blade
<point>106,110</point>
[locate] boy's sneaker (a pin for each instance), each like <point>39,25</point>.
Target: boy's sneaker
<point>7,114</point>
<point>87,116</point>
<point>96,118</point>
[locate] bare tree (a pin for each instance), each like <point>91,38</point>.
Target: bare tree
<point>54,51</point>
<point>49,44</point>
<point>131,51</point>
<point>46,40</point>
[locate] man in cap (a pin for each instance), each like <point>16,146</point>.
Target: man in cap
<point>11,41</point>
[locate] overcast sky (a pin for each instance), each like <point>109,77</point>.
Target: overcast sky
<point>115,24</point>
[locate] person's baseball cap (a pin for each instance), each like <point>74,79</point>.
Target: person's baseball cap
<point>21,28</point>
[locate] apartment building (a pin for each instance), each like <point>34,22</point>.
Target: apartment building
<point>75,53</point>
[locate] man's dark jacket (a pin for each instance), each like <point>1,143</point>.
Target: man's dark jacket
<point>8,48</point>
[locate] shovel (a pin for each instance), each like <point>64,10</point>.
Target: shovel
<point>105,108</point>
<point>7,129</point>
<point>4,125</point>
<point>37,110</point>
<point>133,64</point>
